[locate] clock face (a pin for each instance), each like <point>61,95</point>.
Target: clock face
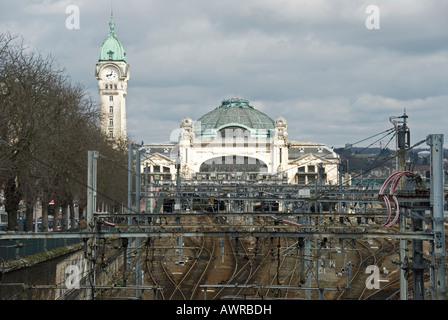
<point>111,74</point>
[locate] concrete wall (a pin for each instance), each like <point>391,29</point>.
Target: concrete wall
<point>18,284</point>
<point>47,278</point>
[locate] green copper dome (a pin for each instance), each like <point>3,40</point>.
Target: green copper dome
<point>235,112</point>
<point>112,48</point>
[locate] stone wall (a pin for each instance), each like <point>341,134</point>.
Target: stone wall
<point>46,276</point>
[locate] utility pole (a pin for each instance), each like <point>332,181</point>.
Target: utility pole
<point>403,142</point>
<point>130,147</point>
<point>437,272</point>
<point>137,275</point>
<point>127,242</point>
<point>177,208</point>
<point>418,266</point>
<point>92,157</point>
<point>138,272</point>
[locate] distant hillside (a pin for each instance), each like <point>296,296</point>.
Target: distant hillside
<point>357,159</point>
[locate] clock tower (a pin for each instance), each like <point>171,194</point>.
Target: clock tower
<point>112,73</point>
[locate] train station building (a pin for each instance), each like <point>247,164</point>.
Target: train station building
<point>236,141</point>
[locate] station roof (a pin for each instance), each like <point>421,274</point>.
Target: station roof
<point>235,112</point>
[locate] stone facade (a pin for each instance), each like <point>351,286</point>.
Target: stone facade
<point>207,150</point>
<point>112,73</point>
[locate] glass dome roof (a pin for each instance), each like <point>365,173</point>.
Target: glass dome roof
<point>235,112</point>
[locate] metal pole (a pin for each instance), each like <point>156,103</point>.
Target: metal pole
<point>91,188</point>
<point>138,281</point>
<point>146,187</point>
<point>418,259</point>
<point>307,258</point>
<point>137,181</point>
<point>35,216</point>
<point>177,208</point>
<point>124,242</point>
<point>438,287</point>
<point>130,146</point>
<point>92,157</point>
<point>340,189</point>
<point>129,211</point>
<point>402,133</point>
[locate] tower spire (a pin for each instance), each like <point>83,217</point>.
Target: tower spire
<point>111,23</point>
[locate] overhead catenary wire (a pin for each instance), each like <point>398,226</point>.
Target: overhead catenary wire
<point>388,207</point>
<point>377,134</point>
<point>331,189</point>
<point>386,132</point>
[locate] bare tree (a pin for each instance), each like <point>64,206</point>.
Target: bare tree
<point>47,125</point>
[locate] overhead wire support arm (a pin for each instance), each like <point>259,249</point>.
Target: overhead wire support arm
<point>388,131</point>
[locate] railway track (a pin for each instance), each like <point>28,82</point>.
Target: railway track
<point>287,269</point>
<point>247,258</point>
<point>180,269</point>
<point>264,268</point>
<point>368,253</point>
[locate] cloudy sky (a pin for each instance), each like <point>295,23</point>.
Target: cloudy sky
<point>314,62</point>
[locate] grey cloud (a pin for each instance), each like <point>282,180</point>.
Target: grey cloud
<point>312,62</point>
